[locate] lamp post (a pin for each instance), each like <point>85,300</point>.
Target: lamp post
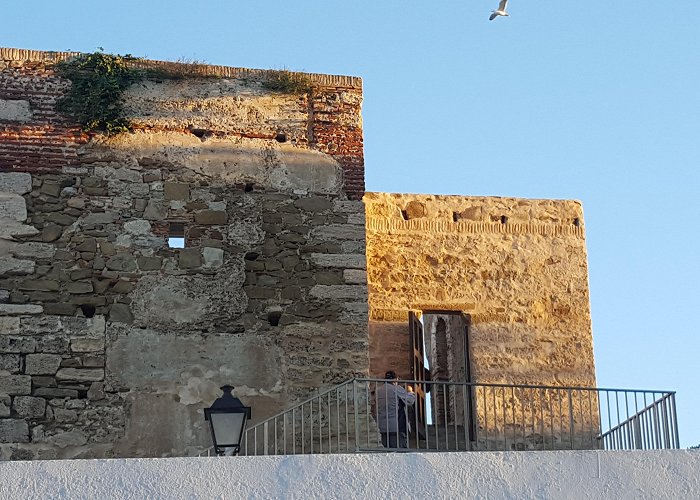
<point>227,418</point>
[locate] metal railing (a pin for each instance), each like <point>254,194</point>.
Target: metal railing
<point>349,418</point>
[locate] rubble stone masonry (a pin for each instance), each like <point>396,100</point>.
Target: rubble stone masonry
<point>111,340</point>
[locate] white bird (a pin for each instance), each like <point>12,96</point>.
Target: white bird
<point>501,11</point>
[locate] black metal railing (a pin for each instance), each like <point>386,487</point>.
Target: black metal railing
<point>371,415</point>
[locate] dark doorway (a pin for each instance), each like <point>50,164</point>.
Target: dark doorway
<point>447,352</point>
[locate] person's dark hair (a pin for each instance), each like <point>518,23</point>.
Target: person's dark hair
<point>390,375</point>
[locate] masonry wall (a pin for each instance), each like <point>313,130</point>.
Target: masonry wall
<point>111,342</point>
<point>517,268</point>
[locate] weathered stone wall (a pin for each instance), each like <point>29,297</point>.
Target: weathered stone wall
<point>517,267</point>
<point>111,341</point>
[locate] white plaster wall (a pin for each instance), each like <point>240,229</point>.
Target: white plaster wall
<point>559,474</point>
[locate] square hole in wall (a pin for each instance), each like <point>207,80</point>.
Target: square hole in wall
<point>176,235</point>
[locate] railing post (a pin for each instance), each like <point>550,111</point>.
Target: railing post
<point>356,414</point>
<point>265,438</point>
<point>571,420</point>
<point>637,433</point>
<point>675,421</point>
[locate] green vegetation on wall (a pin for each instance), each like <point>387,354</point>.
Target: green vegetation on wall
<point>98,82</point>
<point>287,82</point>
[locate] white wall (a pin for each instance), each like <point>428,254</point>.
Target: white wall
<point>559,474</point>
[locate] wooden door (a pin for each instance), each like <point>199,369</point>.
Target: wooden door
<point>418,368</point>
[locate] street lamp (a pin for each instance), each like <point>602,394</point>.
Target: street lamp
<point>227,418</point>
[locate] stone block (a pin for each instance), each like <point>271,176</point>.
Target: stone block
<point>51,343</point>
<point>79,287</point>
<point>149,263</point>
<point>121,313</point>
<point>99,218</point>
<point>137,227</point>
<point>355,313</point>
<point>213,257</point>
<point>176,191</point>
<point>13,207</point>
<point>12,344</point>
<point>155,210</point>
<point>65,439</point>
<point>94,361</point>
<point>5,404</point>
<point>81,274</point>
<point>9,325</point>
<point>52,392</point>
<point>15,385</point>
<point>88,245</point>
<point>80,375</point>
<point>85,344</point>
<point>4,296</point>
<point>33,250</point>
<point>355,276</point>
<point>211,217</point>
<point>189,258</point>
<point>60,308</point>
<point>123,286</point>
<point>10,228</point>
<point>15,110</point>
<point>314,204</point>
<point>122,262</point>
<point>340,292</point>
<point>15,182</point>
<point>19,309</point>
<point>61,219</point>
<point>29,407</point>
<point>51,189</point>
<point>96,391</point>
<point>51,232</point>
<point>358,219</point>
<point>9,363</point>
<point>339,232</point>
<point>346,261</point>
<point>348,207</point>
<point>43,285</point>
<point>63,415</point>
<point>13,431</point>
<point>42,364</point>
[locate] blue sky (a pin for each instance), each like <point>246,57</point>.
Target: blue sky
<point>597,101</point>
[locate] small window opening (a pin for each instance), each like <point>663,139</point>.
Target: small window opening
<point>577,222</point>
<point>251,256</point>
<point>176,235</point>
<point>88,310</point>
<point>455,217</point>
<point>281,137</point>
<point>249,186</point>
<point>404,214</point>
<point>274,317</point>
<point>504,219</point>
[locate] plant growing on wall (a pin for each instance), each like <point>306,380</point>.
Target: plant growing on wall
<point>287,82</point>
<point>98,82</point>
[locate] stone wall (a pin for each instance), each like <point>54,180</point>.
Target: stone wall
<point>516,267</point>
<point>111,340</point>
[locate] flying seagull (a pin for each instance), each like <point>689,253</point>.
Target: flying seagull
<point>501,11</point>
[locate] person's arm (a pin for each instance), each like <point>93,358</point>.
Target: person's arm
<point>407,397</point>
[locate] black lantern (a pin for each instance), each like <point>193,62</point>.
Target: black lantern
<point>227,418</point>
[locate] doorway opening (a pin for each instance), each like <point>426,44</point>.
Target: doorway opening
<point>440,352</point>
